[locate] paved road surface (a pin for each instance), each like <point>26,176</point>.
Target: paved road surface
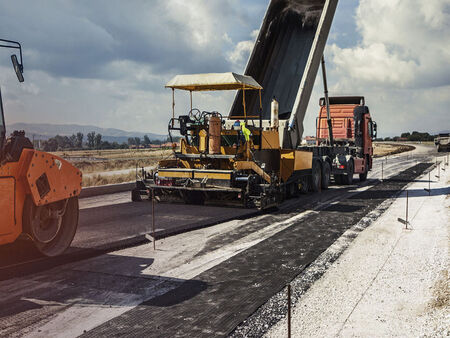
<point>203,282</point>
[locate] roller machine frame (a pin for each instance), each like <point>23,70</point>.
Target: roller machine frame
<point>38,191</point>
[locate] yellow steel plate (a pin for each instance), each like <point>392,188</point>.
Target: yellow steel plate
<point>212,175</point>
<point>175,174</point>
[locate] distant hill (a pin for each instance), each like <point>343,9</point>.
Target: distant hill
<point>45,131</point>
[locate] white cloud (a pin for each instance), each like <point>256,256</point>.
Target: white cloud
<point>241,52</point>
<point>401,64</point>
<point>404,44</point>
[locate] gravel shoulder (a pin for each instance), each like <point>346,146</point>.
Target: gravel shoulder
<point>390,281</point>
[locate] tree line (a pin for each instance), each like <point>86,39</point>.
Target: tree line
<point>415,136</point>
<point>94,141</point>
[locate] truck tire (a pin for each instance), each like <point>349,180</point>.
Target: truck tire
<point>316,177</point>
<point>292,190</point>
<point>326,175</point>
<point>363,176</point>
<point>348,177</point>
<point>303,186</point>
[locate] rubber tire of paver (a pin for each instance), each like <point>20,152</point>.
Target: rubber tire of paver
<point>348,177</point>
<point>136,195</point>
<point>326,175</point>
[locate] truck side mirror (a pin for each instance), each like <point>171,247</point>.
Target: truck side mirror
<point>358,127</point>
<point>18,68</point>
<point>373,130</point>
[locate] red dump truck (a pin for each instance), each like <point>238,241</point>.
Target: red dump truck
<point>347,149</point>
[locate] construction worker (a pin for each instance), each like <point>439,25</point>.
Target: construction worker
<point>245,131</point>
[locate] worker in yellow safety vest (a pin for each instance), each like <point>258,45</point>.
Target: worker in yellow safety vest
<point>245,131</point>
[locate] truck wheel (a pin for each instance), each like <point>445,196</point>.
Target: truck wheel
<point>348,178</point>
<point>316,177</point>
<point>292,190</point>
<point>363,176</point>
<point>52,227</point>
<point>303,185</point>
<point>326,175</point>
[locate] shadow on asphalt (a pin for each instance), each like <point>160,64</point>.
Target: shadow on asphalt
<point>420,193</point>
<point>344,208</point>
<point>93,279</point>
<point>19,306</point>
<point>189,289</point>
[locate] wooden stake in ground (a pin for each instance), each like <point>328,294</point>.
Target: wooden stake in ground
<point>153,219</point>
<point>407,209</point>
<point>429,184</point>
<point>405,222</point>
<point>289,309</point>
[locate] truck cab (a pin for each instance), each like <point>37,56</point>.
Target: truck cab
<point>352,126</point>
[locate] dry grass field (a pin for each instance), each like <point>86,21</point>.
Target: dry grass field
<point>95,161</point>
<point>385,149</point>
<point>97,165</point>
<point>98,179</point>
<point>113,153</point>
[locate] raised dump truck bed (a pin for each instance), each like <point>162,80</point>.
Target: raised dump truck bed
<point>285,61</point>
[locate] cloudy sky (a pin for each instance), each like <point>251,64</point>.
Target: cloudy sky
<point>105,62</point>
